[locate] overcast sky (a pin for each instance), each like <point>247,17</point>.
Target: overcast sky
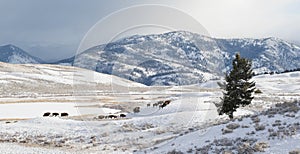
<point>53,29</point>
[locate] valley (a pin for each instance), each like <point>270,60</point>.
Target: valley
<point>189,120</point>
<point>149,77</point>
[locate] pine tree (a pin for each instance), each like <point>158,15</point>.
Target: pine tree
<point>238,88</point>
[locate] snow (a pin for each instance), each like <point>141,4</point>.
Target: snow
<point>11,148</point>
<point>284,83</point>
<point>59,74</point>
<point>189,120</point>
<point>15,55</point>
<point>25,110</point>
<point>202,57</point>
<point>200,138</point>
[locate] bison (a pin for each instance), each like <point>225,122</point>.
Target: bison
<point>167,102</point>
<point>162,105</point>
<point>47,114</point>
<point>155,104</point>
<point>64,114</point>
<point>112,116</point>
<point>160,102</point>
<point>148,105</point>
<point>122,115</point>
<point>55,114</point>
<point>136,110</point>
<point>101,117</point>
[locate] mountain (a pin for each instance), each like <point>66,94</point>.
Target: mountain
<point>267,54</point>
<point>181,58</point>
<point>15,55</point>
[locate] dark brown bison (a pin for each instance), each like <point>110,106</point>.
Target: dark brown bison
<point>148,105</point>
<point>167,102</point>
<point>101,117</point>
<point>112,116</point>
<point>55,114</point>
<point>47,114</point>
<point>160,102</point>
<point>136,110</point>
<point>122,115</point>
<point>163,105</point>
<point>64,114</point>
<point>155,104</point>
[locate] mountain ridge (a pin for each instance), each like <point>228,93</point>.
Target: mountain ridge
<point>181,57</point>
<point>173,58</point>
<point>12,54</point>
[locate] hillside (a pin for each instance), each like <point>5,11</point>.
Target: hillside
<point>183,58</point>
<point>37,80</point>
<point>189,123</point>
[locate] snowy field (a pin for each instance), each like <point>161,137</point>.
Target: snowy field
<point>189,124</point>
<point>35,110</point>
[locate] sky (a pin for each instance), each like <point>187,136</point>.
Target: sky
<point>54,29</point>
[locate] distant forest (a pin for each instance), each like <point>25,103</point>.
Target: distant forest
<point>276,72</point>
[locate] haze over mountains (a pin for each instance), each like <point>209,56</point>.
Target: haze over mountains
<point>180,57</point>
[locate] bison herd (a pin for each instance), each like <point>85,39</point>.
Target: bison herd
<point>55,114</point>
<point>112,116</point>
<point>160,104</point>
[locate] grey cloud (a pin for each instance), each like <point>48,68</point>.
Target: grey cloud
<point>48,23</point>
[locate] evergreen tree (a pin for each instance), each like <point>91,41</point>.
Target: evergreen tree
<point>238,88</point>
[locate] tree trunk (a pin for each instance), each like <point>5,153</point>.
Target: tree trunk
<point>231,115</point>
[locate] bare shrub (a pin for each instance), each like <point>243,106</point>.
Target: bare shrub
<point>257,91</point>
<point>147,126</point>
<point>128,127</point>
<point>255,119</point>
<point>245,148</point>
<point>245,126</point>
<point>295,152</point>
<point>260,146</point>
<point>259,127</point>
<point>175,152</point>
<point>227,131</point>
<point>233,126</point>
<point>224,142</point>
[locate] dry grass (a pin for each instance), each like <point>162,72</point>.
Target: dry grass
<point>13,119</point>
<point>39,101</point>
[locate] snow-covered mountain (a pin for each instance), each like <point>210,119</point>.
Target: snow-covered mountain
<point>181,58</point>
<point>267,54</point>
<point>12,54</point>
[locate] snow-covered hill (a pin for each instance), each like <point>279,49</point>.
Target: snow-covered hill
<point>15,55</point>
<point>40,73</point>
<point>181,58</point>
<point>188,124</point>
<point>275,131</point>
<point>42,79</point>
